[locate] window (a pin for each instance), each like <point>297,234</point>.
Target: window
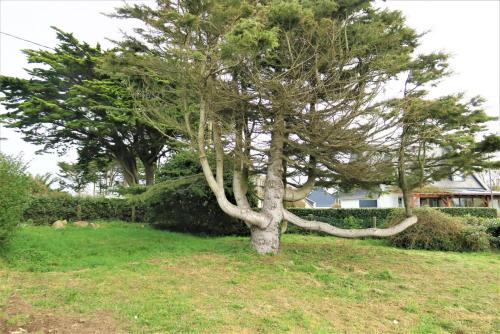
<point>432,202</point>
<point>367,203</point>
<point>468,202</point>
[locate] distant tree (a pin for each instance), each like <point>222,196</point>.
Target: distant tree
<point>72,177</point>
<point>68,102</point>
<point>436,137</point>
<point>43,184</point>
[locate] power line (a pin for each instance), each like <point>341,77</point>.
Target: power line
<point>26,40</point>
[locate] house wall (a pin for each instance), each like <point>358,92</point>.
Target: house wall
<point>349,203</point>
<point>388,200</point>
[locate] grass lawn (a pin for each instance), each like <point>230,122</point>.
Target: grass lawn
<point>125,278</point>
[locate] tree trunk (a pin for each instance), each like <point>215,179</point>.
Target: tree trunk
<point>403,184</point>
<point>129,168</point>
<point>149,170</point>
<point>267,240</point>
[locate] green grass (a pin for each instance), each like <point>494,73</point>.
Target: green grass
<point>160,282</point>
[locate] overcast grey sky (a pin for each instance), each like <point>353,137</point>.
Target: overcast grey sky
<point>468,30</point>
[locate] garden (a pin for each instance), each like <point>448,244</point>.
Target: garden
<point>124,276</point>
<point>187,152</point>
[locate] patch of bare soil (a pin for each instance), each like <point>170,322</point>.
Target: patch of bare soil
<point>19,317</point>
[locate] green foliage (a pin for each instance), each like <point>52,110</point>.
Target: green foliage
<point>475,212</point>
<point>182,201</point>
<point>490,226</point>
<point>349,218</point>
<point>14,189</point>
<point>47,209</point>
<point>438,231</point>
<point>67,101</point>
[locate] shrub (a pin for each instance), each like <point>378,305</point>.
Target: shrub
<point>14,195</point>
<point>490,226</point>
<point>475,239</point>
<point>436,230</point>
<point>182,201</point>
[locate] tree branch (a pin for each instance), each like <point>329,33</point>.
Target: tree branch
<point>348,233</point>
<point>246,214</point>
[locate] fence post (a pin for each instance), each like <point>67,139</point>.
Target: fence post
<point>374,220</point>
<point>133,213</point>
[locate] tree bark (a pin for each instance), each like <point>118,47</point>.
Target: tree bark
<point>129,167</point>
<point>403,184</point>
<point>149,170</point>
<point>348,233</point>
<point>267,240</point>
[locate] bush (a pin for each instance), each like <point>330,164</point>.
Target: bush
<point>182,201</point>
<point>490,226</point>
<point>14,195</point>
<point>47,209</point>
<point>436,230</point>
<point>475,240</point>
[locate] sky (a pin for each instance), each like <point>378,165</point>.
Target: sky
<point>468,30</point>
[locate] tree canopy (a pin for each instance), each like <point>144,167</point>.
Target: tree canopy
<point>68,101</point>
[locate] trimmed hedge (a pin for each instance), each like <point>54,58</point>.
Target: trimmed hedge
<point>364,216</point>
<point>47,209</point>
<point>475,212</point>
<point>344,217</point>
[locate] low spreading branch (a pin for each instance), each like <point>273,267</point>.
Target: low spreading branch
<point>348,233</point>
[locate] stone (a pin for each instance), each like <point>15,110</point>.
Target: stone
<point>95,225</point>
<point>81,223</point>
<point>59,224</point>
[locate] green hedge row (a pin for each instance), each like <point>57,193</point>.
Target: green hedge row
<point>47,209</point>
<point>362,218</point>
<point>475,212</point>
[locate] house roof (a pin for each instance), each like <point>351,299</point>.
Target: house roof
<point>471,185</point>
<point>321,198</point>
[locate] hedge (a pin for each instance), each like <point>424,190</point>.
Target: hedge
<point>363,217</point>
<point>47,209</point>
<point>187,205</point>
<point>475,212</point>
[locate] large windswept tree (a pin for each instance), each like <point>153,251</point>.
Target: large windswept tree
<point>68,102</point>
<point>278,85</point>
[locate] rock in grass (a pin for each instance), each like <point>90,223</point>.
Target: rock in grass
<point>81,223</point>
<point>94,225</point>
<point>59,224</point>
